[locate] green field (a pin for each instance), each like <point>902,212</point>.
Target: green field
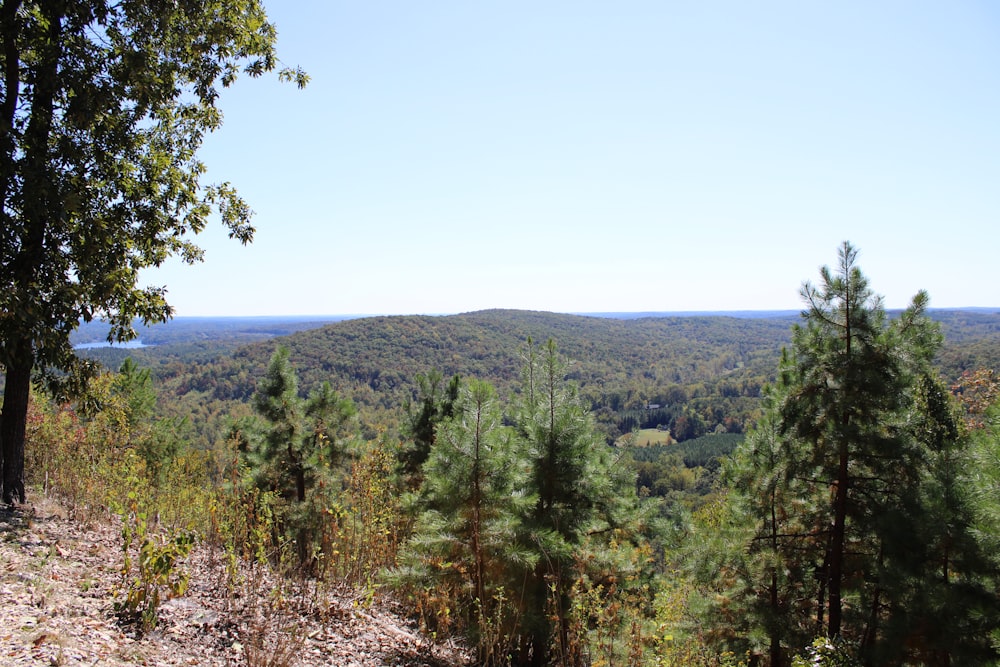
<point>651,437</point>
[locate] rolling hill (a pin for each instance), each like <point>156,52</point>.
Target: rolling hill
<point>709,366</point>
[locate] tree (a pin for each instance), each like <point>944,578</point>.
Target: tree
<point>852,486</point>
<point>772,576</point>
<point>103,108</point>
<point>580,493</point>
<point>330,419</point>
<point>948,608</point>
<point>278,462</point>
<point>434,408</point>
<point>301,449</point>
<point>466,545</point>
<point>847,384</point>
<point>983,420</point>
<point>155,440</point>
<point>515,515</point>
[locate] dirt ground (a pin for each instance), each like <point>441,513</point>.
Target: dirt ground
<point>57,587</point>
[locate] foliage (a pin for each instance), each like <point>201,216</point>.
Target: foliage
<point>150,569</point>
<point>104,108</point>
<point>685,473</point>
<point>93,464</point>
<point>579,492</point>
<point>433,408</point>
<point>523,508</point>
<point>299,455</point>
<point>609,598</point>
<point>154,439</point>
<point>377,361</point>
<point>466,549</point>
<point>685,634</point>
<point>365,524</point>
<point>826,653</point>
<point>709,370</point>
<point>608,591</point>
<point>977,391</point>
<point>852,490</point>
<point>79,451</point>
<point>184,333</point>
<point>202,380</point>
<point>983,478</point>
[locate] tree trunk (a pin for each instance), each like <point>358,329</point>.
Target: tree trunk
<point>838,543</point>
<point>839,537</point>
<point>775,646</point>
<point>12,92</point>
<point>302,535</point>
<point>479,573</point>
<point>23,269</point>
<point>12,427</point>
<point>822,578</point>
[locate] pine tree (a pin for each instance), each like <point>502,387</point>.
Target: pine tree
<point>578,490</point>
<point>847,386</point>
<point>949,609</point>
<point>773,575</point>
<point>155,440</point>
<point>852,485</point>
<point>508,511</point>
<point>983,421</point>
<point>304,443</point>
<point>434,407</point>
<point>330,420</point>
<point>280,464</point>
<point>466,546</point>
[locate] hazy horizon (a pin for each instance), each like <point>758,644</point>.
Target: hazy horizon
<point>610,313</point>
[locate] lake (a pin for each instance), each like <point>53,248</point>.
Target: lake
<point>130,345</point>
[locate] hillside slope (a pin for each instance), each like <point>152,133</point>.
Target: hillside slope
<point>57,580</point>
<point>382,354</point>
<point>620,364</point>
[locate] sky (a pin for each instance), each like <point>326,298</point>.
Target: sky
<point>622,156</point>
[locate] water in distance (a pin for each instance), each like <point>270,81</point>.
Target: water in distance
<point>130,345</point>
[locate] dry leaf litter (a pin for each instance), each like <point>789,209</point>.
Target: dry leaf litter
<point>58,579</point>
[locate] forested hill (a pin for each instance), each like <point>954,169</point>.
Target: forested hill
<point>385,353</point>
<point>621,364</point>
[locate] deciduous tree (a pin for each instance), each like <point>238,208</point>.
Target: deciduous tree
<point>104,105</point>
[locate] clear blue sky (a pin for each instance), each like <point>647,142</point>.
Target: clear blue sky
<point>607,156</point>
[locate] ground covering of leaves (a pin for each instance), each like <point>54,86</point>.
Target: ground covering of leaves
<point>57,585</point>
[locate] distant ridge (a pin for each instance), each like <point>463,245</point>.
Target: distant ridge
<point>762,314</point>
<point>387,352</point>
<point>741,314</point>
<point>617,360</point>
<point>991,310</point>
<point>260,327</point>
